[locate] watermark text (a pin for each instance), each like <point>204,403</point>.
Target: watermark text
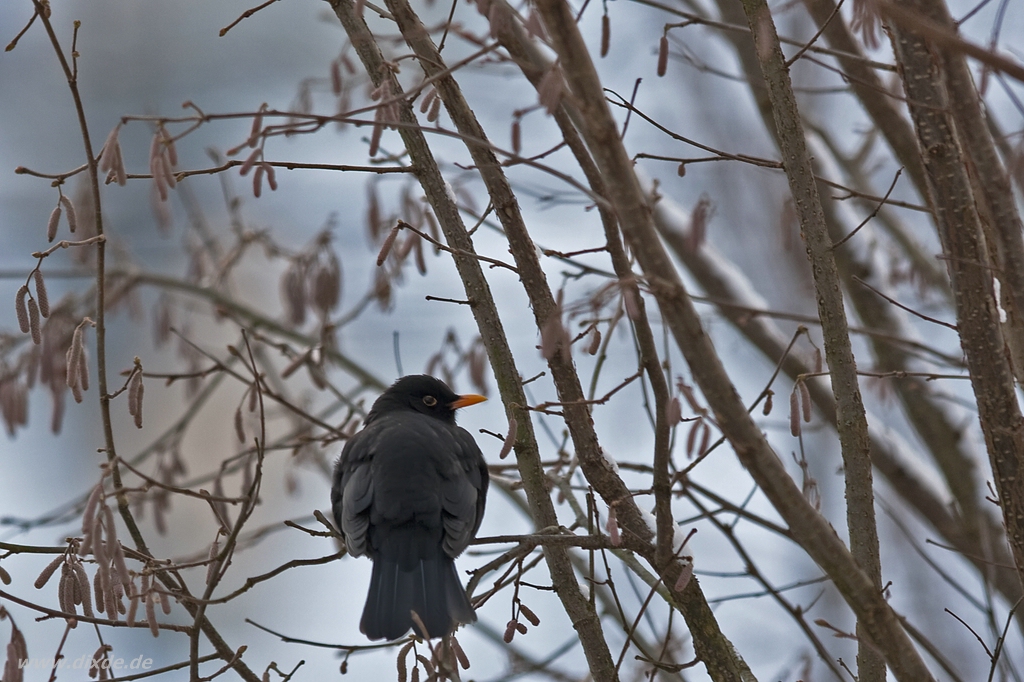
<point>86,662</point>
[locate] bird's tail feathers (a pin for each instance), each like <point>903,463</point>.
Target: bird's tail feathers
<point>430,587</point>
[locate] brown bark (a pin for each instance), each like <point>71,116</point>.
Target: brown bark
<point>808,527</point>
<point>968,259</point>
<point>973,532</point>
<point>851,422</point>
<point>577,607</point>
<point>871,91</point>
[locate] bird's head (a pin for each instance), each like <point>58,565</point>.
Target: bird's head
<point>425,395</point>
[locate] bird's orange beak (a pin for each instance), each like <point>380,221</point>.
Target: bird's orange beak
<point>467,400</point>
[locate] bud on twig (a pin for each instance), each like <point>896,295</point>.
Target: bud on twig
<point>595,341</point>
<point>41,295</point>
<point>554,337</point>
<point>21,310</point>
<point>529,614</point>
<point>510,439</point>
<point>83,370</point>
<point>550,89</point>
<point>249,162</point>
<point>33,321</point>
<point>83,588</point>
<point>135,390</point>
<point>165,603</point>
<point>378,130</point>
<point>335,78</point>
<point>516,136</point>
<point>111,160</point>
<point>403,656</point>
<point>211,567</point>
<point>257,126</point>
<point>805,399</point>
<point>435,110</point>
<point>88,517</point>
<point>794,413</point>
<point>69,208</point>
<point>48,572</point>
<point>674,411</point>
<point>606,35</point>
<point>685,574</point>
<point>428,99</point>
<point>51,226</point>
<point>326,280</point>
<point>169,152</point>
<point>691,439</point>
<point>421,263</point>
<point>612,526</point>
<point>154,629</point>
<point>66,589</point>
<point>389,242</point>
<point>133,609</point>
<point>257,180</point>
<point>239,428</point>
<point>459,653</point>
<point>631,303</point>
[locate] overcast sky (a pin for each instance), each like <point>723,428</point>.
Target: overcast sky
<point>143,57</point>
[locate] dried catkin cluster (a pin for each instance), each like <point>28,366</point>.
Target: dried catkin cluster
<point>46,360</point>
<point>13,403</point>
<point>251,397</point>
<point>53,370</point>
<point>257,136</point>
<point>431,105</point>
<point>17,652</point>
<point>111,160</point>
<point>170,468</point>
<point>510,438</point>
<point>65,205</point>
<point>451,357</point>
<point>554,337</point>
<point>386,115</point>
<point>77,363</point>
<point>99,532</point>
<point>148,597</point>
<point>255,160</point>
<point>515,625</point>
<point>663,55</point>
<point>312,281</point>
<point>99,664</point>
<point>393,251</point>
<point>163,157</point>
<point>799,405</point>
<point>551,89</point>
<point>73,589</point>
<point>112,581</point>
<point>135,391</point>
<point>866,21</point>
<point>443,663</point>
<point>29,309</point>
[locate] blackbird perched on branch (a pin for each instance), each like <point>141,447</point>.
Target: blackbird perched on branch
<point>409,492</point>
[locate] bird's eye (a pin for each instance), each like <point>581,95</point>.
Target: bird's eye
<point>429,400</point>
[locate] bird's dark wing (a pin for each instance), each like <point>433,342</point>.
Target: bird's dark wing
<point>352,491</point>
<point>409,468</point>
<point>464,494</point>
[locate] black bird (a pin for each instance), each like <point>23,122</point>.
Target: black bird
<point>409,492</point>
